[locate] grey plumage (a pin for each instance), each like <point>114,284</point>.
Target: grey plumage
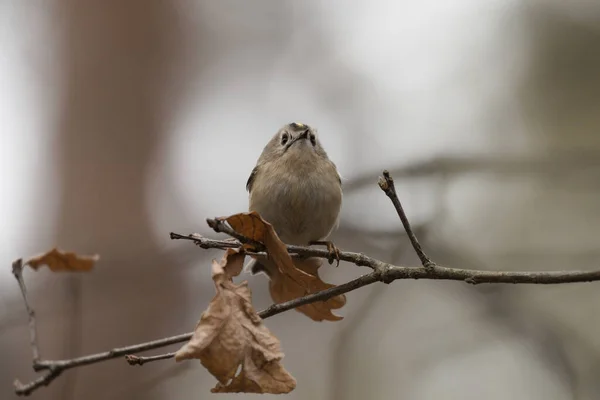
<point>296,188</point>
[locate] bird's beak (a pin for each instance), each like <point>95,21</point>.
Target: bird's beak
<point>302,136</point>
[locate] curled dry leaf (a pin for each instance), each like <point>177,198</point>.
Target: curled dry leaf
<point>58,260</point>
<point>232,263</point>
<point>295,278</point>
<point>230,333</point>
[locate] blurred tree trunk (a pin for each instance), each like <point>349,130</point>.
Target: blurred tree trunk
<point>120,60</point>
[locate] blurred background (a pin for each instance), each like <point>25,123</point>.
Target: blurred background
<point>123,121</point>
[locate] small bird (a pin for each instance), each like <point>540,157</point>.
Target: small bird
<point>297,189</point>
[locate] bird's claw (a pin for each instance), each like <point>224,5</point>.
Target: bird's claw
<point>334,252</point>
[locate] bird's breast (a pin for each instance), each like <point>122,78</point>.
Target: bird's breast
<point>302,206</point>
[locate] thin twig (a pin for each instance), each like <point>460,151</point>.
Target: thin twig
<point>382,272</point>
<point>138,360</point>
<point>17,270</point>
<point>215,223</point>
<point>206,243</point>
<point>386,183</point>
<point>44,380</point>
<point>56,367</point>
<point>358,259</point>
<point>114,353</point>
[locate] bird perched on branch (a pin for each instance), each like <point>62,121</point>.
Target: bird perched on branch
<point>297,189</point>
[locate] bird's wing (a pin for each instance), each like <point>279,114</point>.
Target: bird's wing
<point>251,179</point>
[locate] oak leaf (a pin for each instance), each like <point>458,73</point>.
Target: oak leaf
<point>230,333</point>
<point>232,262</point>
<point>292,278</point>
<point>284,289</point>
<point>58,260</point>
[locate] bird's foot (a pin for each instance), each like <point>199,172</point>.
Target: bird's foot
<point>334,252</point>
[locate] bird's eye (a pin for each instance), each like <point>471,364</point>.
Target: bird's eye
<point>284,139</point>
<point>313,139</point>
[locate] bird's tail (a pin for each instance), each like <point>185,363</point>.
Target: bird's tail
<point>256,267</point>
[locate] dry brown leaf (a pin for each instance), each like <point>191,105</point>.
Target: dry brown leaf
<point>295,278</point>
<point>284,289</point>
<point>230,333</point>
<point>233,262</point>
<point>254,378</point>
<point>58,260</point>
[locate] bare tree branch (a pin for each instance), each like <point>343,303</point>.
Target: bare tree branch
<point>56,367</point>
<point>382,272</point>
<point>386,183</point>
<point>17,270</point>
<point>138,360</point>
<point>44,380</point>
<point>389,272</point>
